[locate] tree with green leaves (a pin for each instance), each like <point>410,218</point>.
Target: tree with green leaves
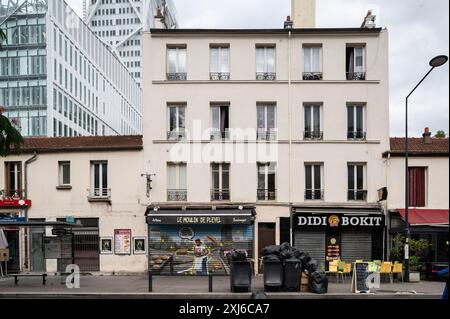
<point>10,137</point>
<point>440,134</point>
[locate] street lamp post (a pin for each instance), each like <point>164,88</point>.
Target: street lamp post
<point>434,63</point>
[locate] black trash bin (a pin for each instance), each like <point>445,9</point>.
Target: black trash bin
<point>292,274</point>
<point>273,274</point>
<point>241,276</point>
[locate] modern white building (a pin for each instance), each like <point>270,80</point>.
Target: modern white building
<point>120,24</point>
<point>57,78</point>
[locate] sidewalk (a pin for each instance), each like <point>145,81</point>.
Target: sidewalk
<point>192,288</point>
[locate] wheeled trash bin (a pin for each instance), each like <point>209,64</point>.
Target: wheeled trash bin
<point>241,276</point>
<point>273,275</point>
<point>292,274</point>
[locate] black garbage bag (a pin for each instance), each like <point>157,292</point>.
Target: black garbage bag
<point>236,255</point>
<point>271,250</point>
<point>305,258</point>
<point>259,295</point>
<point>296,253</point>
<point>311,266</point>
<point>271,258</point>
<point>318,283</point>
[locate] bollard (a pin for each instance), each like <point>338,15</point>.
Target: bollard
<point>150,282</point>
<point>210,278</point>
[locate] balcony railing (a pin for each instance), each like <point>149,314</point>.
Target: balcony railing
<point>219,76</point>
<point>267,194</point>
<point>266,135</point>
<point>313,135</point>
<point>12,194</point>
<point>220,194</point>
<point>176,135</point>
<point>266,76</point>
<point>218,135</point>
<point>99,193</point>
<point>356,76</point>
<point>358,195</point>
<point>177,76</point>
<point>314,194</point>
<point>312,76</point>
<point>359,135</point>
<point>176,195</point>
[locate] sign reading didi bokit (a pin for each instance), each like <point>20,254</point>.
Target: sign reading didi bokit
<point>338,220</point>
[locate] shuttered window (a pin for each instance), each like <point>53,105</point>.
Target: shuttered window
<point>312,243</point>
<point>356,245</point>
<point>417,186</point>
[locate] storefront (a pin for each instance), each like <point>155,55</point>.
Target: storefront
<point>196,241</point>
<point>331,234</point>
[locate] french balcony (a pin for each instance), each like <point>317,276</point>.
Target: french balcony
<point>220,195</point>
<point>356,76</point>
<point>313,135</point>
<point>267,194</point>
<point>314,194</point>
<point>176,135</point>
<point>266,135</point>
<point>266,76</point>
<point>176,195</point>
<point>180,76</point>
<point>12,194</point>
<point>219,76</point>
<point>357,195</point>
<point>99,194</point>
<point>220,135</point>
<point>358,135</point>
<point>312,76</point>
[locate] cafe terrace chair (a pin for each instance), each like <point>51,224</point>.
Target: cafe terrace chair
<point>386,269</point>
<point>397,270</point>
<point>333,269</point>
<point>347,270</point>
<point>359,261</point>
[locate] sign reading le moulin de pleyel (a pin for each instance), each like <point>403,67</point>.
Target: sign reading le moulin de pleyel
<point>339,220</point>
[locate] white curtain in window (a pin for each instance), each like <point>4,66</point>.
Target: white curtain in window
<point>182,60</point>
<point>359,60</point>
<point>172,60</point>
<point>225,60</point>
<point>182,173</point>
<point>215,113</point>
<point>270,59</point>
<point>260,60</point>
<point>172,176</point>
<point>214,58</point>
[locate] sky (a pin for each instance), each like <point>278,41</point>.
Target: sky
<point>418,31</point>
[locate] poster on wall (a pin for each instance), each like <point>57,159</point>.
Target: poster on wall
<point>139,245</point>
<point>106,245</point>
<point>122,241</point>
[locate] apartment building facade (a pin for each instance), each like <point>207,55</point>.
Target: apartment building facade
<point>76,192</point>
<point>120,25</point>
<point>59,79</point>
<point>282,129</point>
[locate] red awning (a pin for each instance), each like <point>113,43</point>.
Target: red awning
<point>426,216</point>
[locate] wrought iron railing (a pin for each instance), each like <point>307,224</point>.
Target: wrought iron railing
<point>357,76</point>
<point>176,195</point>
<point>313,135</point>
<point>358,135</point>
<point>12,194</point>
<point>266,76</point>
<point>357,195</point>
<point>99,193</point>
<point>267,194</point>
<point>218,135</point>
<point>181,76</point>
<point>220,194</point>
<point>176,135</point>
<point>266,135</point>
<point>314,194</point>
<point>219,76</point>
<point>312,76</point>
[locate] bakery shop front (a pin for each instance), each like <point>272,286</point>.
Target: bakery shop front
<point>196,241</point>
<point>346,235</point>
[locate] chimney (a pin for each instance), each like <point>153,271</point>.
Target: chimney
<point>288,24</point>
<point>427,136</point>
<point>159,19</point>
<point>369,21</point>
<point>304,13</point>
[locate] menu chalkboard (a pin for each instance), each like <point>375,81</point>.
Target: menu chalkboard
<point>360,276</point>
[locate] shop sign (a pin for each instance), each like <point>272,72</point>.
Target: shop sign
<point>12,219</point>
<point>338,220</point>
<point>10,202</point>
<point>122,241</point>
<point>199,220</point>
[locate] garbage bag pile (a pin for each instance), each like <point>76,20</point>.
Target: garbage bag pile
<point>236,255</point>
<point>318,281</point>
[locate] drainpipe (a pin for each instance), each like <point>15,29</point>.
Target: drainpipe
<point>290,130</point>
<point>25,195</point>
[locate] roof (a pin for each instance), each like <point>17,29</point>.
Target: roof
<point>416,147</point>
<point>265,31</point>
<point>426,216</point>
<point>81,144</point>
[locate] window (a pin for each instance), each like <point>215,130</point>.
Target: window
<point>356,182</point>
<point>220,63</point>
<point>177,190</point>
<point>355,63</point>
<point>266,181</point>
<point>220,122</point>
<point>355,122</point>
<point>313,182</point>
<point>176,122</point>
<point>417,186</point>
<point>99,180</point>
<point>312,63</point>
<point>176,64</point>
<point>64,173</point>
<point>265,63</point>
<point>313,126</point>
<point>220,182</point>
<point>13,179</point>
<point>266,117</point>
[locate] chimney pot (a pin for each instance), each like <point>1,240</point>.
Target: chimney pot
<point>427,136</point>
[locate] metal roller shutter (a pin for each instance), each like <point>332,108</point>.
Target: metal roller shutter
<point>356,245</point>
<point>312,243</point>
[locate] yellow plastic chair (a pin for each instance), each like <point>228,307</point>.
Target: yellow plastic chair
<point>333,269</point>
<point>397,269</point>
<point>347,270</point>
<point>386,269</point>
<point>359,261</point>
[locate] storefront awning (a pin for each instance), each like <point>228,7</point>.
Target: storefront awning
<point>205,217</point>
<point>422,217</point>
